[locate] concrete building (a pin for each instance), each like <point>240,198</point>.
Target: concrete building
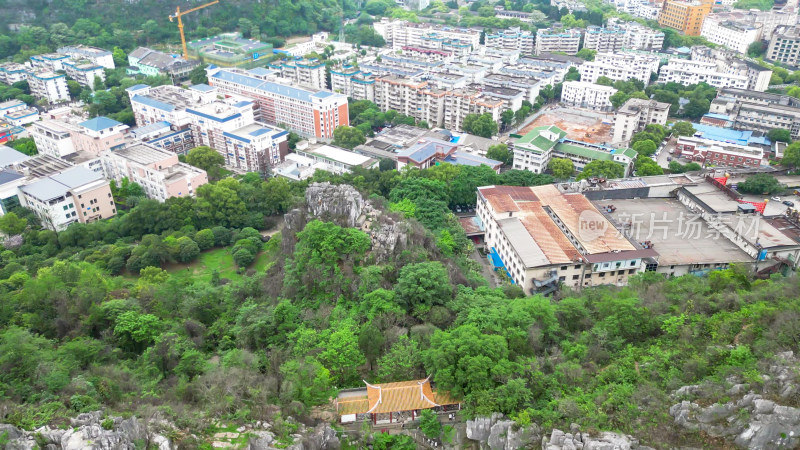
<point>159,172</point>
<point>635,115</point>
<point>96,55</point>
<point>49,62</point>
<point>85,72</point>
<point>74,195</point>
<point>150,62</point>
<point>620,67</point>
<point>231,50</point>
<point>760,111</point>
<point>353,83</point>
<point>692,72</point>
<point>429,152</point>
<point>604,39</point>
<point>707,151</point>
<point>61,138</point>
<point>164,136</point>
<point>640,37</point>
<point>314,113</point>
<point>646,10</point>
<point>511,39</point>
<point>764,21</point>
<point>303,72</point>
<point>734,35</point>
<point>18,113</point>
<point>539,237</point>
<point>581,94</point>
<point>728,62</point>
<point>685,16</point>
<point>231,129</point>
<point>49,86</point>
<point>337,160</point>
<point>533,151</point>
<point>784,46</point>
<point>11,73</point>
<point>166,103</point>
<point>558,39</point>
<point>400,33</point>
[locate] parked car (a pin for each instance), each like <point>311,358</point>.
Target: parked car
<point>788,203</point>
<point>777,199</point>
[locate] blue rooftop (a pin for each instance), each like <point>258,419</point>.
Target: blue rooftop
<point>260,131</point>
<point>153,103</point>
<point>323,94</point>
<point>153,127</point>
<point>100,123</point>
<point>242,103</point>
<point>717,116</point>
<point>201,87</point>
<point>423,151</point>
<point>728,135</point>
<point>137,87</point>
<point>468,159</point>
<point>260,71</point>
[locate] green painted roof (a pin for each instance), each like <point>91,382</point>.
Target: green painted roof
<point>584,152</point>
<point>629,152</point>
<point>533,140</point>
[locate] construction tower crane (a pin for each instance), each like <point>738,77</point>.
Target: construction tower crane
<point>178,14</point>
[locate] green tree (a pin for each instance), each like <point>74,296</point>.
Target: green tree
<point>24,145</point>
<point>604,169</point>
<point>645,166</point>
<point>761,184</point>
<point>187,249</point>
<point>307,381</point>
<point>341,354</point>
<point>11,224</point>
<point>562,168</point>
<point>421,286</point>
<point>779,135</point>
<point>618,99</point>
<point>198,75</point>
<point>348,137</point>
<point>401,362</point>
<point>500,152</point>
<point>587,54</point>
<point>683,129</point>
<point>645,147</point>
<point>791,155</point>
<point>429,424</point>
<point>208,159</point>
<point>135,331</point>
<point>480,125</point>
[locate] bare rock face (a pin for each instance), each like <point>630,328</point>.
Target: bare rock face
<point>575,439</point>
<point>340,204</point>
<point>753,421</point>
<point>498,433</point>
<point>86,433</point>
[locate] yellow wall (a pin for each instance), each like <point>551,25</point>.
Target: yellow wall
<point>685,17</point>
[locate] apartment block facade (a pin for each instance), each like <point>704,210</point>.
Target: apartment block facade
<point>758,111</point>
<point>511,39</point>
<point>309,112</point>
<point>303,72</point>
<point>50,86</point>
<point>96,55</point>
<point>635,115</point>
<point>734,35</point>
<point>707,151</point>
<point>620,67</point>
<point>581,94</point>
<point>687,72</point>
<point>604,39</point>
<point>558,39</point>
<point>158,171</point>
<point>784,46</point>
<point>685,16</point>
<point>85,72</point>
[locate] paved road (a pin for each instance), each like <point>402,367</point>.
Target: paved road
<point>486,268</point>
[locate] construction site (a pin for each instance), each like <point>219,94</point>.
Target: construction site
<point>585,126</point>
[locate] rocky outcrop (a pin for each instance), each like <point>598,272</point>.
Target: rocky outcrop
<point>341,204</point>
<point>757,419</point>
<point>87,433</point>
<point>575,439</point>
<point>499,433</point>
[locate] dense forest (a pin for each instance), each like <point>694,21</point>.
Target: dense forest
<point>154,309</point>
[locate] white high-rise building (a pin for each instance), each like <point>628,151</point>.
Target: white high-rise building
<point>50,86</point>
<point>581,94</point>
<point>620,67</point>
<point>687,72</point>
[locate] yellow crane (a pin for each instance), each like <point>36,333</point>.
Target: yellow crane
<point>178,14</point>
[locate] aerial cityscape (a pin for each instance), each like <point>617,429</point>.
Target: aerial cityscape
<point>399,224</point>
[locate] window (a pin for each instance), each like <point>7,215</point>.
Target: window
<point>575,277</point>
<point>563,267</point>
<point>632,271</point>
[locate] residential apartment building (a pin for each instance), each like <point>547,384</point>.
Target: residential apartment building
<point>61,138</point>
<point>765,21</point>
<point>537,236</point>
<point>462,102</point>
<point>620,67</point>
<point>646,10</point>
<point>511,39</point>
<point>604,39</point>
<point>685,16</point>
<point>302,72</point>
<point>96,55</point>
<point>353,83</point>
<point>558,39</point>
<point>640,37</point>
<point>707,151</point>
<point>50,86</point>
<point>687,72</point>
<point>728,62</point>
<point>534,151</point>
<point>734,35</point>
<point>11,73</point>
<point>85,72</point>
<point>49,62</point>
<point>166,103</point>
<point>18,113</point>
<point>428,152</point>
<point>309,112</point>
<point>784,46</point>
<point>74,195</point>
<point>581,94</point>
<point>150,62</point>
<point>231,129</point>
<point>635,115</point>
<point>400,33</point>
<point>159,172</point>
<point>759,111</point>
